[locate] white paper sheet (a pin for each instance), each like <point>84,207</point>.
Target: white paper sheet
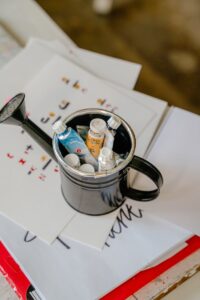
<point>20,70</point>
<point>83,90</point>
<point>156,105</point>
<point>176,152</point>
<point>126,74</point>
<point>90,230</point>
<point>120,72</point>
<point>25,18</point>
<point>41,52</point>
<point>27,197</point>
<point>8,46</point>
<point>48,85</point>
<point>90,225</point>
<point>78,272</point>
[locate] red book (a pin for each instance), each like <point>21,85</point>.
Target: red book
<point>15,276</point>
<point>22,286</point>
<point>138,281</point>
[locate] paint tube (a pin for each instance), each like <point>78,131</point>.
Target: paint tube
<point>72,160</point>
<point>112,126</point>
<point>70,139</point>
<point>87,168</point>
<point>118,158</point>
<point>106,159</point>
<point>95,136</point>
<point>82,131</point>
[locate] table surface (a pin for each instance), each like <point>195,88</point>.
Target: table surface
<point>189,290</point>
<point>6,292</point>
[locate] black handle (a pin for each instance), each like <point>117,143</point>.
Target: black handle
<point>39,136</point>
<point>145,167</point>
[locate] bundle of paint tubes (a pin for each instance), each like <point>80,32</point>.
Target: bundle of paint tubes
<point>90,149</point>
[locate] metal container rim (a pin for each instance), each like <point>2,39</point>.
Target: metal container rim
<point>96,175</point>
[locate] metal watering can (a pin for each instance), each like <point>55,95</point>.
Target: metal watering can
<point>92,194</point>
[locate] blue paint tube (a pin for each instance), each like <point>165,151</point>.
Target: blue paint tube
<point>73,143</point>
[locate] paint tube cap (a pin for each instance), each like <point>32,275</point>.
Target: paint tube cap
<point>72,160</point>
<point>59,127</point>
<point>106,154</point>
<point>87,168</point>
<point>98,125</point>
<point>106,159</point>
<point>114,122</point>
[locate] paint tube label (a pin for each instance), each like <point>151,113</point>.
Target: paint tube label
<point>94,144</point>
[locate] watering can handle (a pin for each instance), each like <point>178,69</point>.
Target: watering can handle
<point>145,167</point>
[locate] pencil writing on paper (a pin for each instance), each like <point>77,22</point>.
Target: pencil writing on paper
<point>126,214</point>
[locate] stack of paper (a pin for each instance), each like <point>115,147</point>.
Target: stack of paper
<point>9,47</point>
<point>49,98</point>
<point>177,153</point>
<point>129,239</point>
